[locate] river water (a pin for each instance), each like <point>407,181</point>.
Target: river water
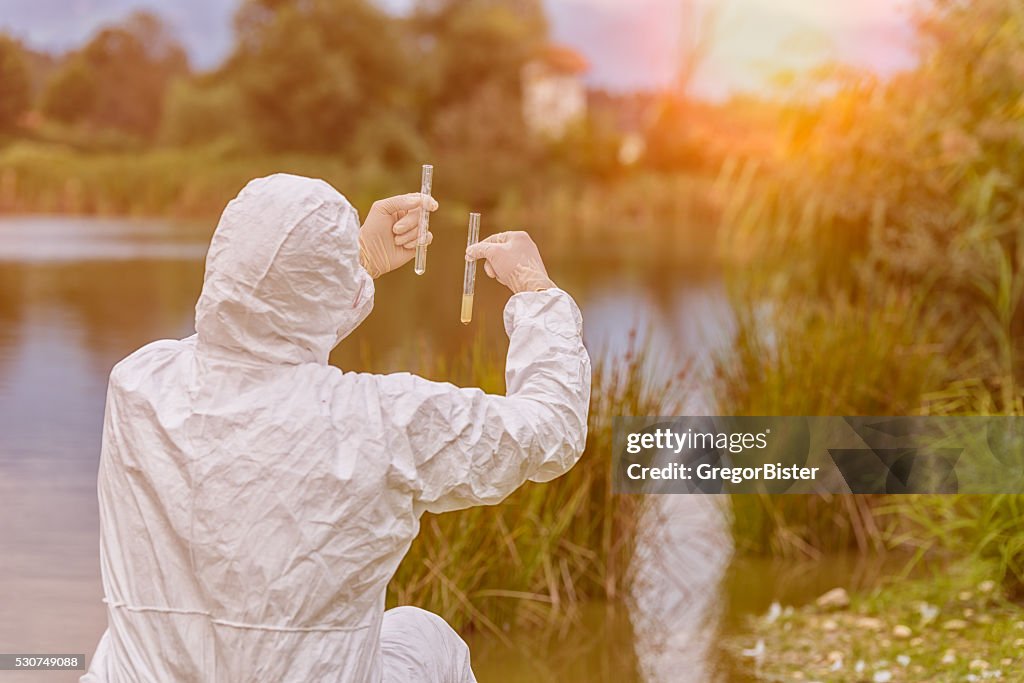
<point>77,295</point>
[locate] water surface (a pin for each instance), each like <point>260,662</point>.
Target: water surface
<point>77,295</point>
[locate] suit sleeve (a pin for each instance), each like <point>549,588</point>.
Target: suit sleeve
<point>456,448</point>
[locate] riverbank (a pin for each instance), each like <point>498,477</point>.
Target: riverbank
<point>954,625</point>
<point>667,217</point>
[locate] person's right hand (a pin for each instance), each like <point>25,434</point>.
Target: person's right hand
<point>513,259</point>
<point>387,239</point>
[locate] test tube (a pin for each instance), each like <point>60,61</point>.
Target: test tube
<point>469,278</point>
<point>426,183</point>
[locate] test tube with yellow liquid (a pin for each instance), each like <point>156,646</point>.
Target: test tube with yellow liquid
<point>469,277</point>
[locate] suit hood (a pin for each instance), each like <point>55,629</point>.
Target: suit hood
<point>283,283</point>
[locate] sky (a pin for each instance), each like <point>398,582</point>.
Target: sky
<point>630,44</point>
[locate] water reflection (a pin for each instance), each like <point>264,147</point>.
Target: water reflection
<point>43,239</point>
<point>680,562</point>
<point>685,544</point>
<point>78,295</point>
<point>597,648</point>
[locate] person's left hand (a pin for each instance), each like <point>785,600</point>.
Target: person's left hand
<point>387,239</point>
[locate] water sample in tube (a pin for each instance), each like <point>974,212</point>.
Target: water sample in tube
<point>469,277</point>
<point>426,183</point>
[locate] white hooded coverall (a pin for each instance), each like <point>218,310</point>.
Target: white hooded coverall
<point>255,501</point>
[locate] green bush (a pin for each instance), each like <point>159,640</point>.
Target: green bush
<point>197,113</point>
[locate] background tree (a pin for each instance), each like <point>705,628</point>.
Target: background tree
<point>472,54</point>
<point>70,94</point>
<point>312,74</point>
<point>672,141</point>
<point>120,78</point>
<point>470,43</point>
<point>697,26</point>
<point>14,82</point>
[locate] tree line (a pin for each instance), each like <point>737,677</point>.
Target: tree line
<point>323,76</point>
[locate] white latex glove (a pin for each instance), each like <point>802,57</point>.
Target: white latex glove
<point>387,239</point>
<point>513,259</point>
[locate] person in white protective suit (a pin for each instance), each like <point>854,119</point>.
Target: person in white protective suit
<point>255,501</point>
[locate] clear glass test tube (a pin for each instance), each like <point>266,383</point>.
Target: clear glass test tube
<point>426,184</point>
<point>469,278</point>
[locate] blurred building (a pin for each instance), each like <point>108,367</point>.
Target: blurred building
<point>554,95</point>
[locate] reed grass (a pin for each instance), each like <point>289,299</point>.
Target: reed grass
<point>866,339</point>
<point>873,311</point>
